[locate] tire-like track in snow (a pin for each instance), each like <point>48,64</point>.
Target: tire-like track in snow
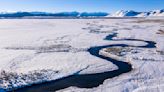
<point>89,80</point>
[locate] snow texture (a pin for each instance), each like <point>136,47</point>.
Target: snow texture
<point>34,51</point>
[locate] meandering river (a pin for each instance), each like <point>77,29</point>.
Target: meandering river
<point>89,80</point>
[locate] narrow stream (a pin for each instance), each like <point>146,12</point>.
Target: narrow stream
<point>88,80</point>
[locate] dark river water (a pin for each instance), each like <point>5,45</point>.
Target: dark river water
<point>89,80</point>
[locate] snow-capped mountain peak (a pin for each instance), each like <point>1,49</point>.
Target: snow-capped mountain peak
<point>123,13</point>
<point>131,13</point>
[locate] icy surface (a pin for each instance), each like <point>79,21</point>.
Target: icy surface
<point>147,74</point>
<point>34,51</point>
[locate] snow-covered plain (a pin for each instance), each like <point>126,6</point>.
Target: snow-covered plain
<point>34,51</point>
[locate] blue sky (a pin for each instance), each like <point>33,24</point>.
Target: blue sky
<point>80,5</point>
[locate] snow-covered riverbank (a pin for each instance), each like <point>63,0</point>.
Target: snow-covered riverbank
<point>34,51</point>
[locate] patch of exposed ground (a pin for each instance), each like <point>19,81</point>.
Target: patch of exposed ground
<point>160,31</point>
<point>13,79</point>
<point>149,21</point>
<point>120,51</point>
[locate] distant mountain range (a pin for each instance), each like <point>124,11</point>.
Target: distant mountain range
<point>50,15</point>
<point>122,13</point>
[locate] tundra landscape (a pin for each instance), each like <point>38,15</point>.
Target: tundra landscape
<point>82,55</point>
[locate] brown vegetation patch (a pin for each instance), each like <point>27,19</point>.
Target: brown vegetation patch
<point>160,31</point>
<point>11,80</point>
<point>150,21</point>
<point>120,51</point>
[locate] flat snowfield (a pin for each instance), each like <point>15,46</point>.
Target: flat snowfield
<point>34,51</point>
